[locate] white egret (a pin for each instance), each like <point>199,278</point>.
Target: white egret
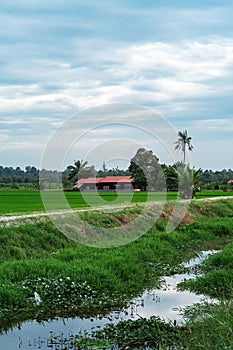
<point>37,298</point>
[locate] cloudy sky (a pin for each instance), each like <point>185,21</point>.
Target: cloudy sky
<point>62,57</point>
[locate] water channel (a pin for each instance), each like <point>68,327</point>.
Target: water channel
<point>164,302</point>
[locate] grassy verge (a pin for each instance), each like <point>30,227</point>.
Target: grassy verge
<point>214,193</point>
<point>209,325</point>
<point>217,278</point>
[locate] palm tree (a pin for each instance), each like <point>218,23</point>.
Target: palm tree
<point>189,181</point>
<point>183,141</point>
<point>74,170</point>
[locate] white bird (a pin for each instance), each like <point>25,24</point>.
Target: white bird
<point>37,298</point>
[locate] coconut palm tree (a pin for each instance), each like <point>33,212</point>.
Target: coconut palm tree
<point>74,170</point>
<point>183,142</point>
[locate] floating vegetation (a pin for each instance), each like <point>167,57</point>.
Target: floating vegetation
<point>142,333</point>
<point>152,333</point>
<point>59,292</point>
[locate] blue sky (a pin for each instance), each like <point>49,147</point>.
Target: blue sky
<point>62,57</point>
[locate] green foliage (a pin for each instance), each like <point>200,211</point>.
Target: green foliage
<point>216,179</point>
<point>11,297</point>
<point>216,284</point>
<point>60,292</point>
<point>17,178</point>
<point>145,170</point>
<point>171,177</point>
<point>152,333</point>
<point>218,278</point>
<point>210,326</point>
<point>220,208</point>
<point>188,181</point>
<point>38,240</point>
<point>74,171</point>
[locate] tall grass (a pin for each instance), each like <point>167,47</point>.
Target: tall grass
<point>210,326</point>
<point>217,280</point>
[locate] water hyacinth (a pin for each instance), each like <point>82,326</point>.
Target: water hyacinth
<point>58,292</point>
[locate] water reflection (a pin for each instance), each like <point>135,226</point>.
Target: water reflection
<point>164,302</point>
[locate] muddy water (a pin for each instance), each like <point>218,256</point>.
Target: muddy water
<point>164,302</point>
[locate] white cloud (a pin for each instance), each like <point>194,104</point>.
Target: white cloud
<point>219,125</point>
<point>149,73</point>
<point>57,59</point>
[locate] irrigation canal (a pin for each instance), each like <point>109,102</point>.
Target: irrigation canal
<point>165,302</point>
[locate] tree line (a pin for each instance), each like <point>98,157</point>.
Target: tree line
<point>148,173</point>
<point>29,177</point>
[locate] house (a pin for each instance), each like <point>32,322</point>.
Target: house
<point>107,183</point>
<point>230,182</point>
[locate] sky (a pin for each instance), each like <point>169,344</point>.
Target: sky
<point>62,58</point>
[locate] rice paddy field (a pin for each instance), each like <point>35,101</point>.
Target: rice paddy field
<point>26,201</point>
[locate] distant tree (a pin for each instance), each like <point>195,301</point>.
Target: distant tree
<point>144,167</point>
<point>189,181</point>
<point>74,170</point>
<point>112,172</point>
<point>140,179</point>
<point>215,180</point>
<point>86,172</point>
<point>28,168</point>
<point>171,177</point>
<point>100,173</point>
<point>183,142</point>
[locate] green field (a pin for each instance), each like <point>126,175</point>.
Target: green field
<point>22,201</point>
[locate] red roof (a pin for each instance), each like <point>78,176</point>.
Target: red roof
<point>89,180</point>
<point>106,179</point>
<point>116,179</point>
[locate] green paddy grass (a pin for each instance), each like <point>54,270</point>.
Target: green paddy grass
<point>26,201</point>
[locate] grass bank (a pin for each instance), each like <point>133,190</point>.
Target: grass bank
<point>74,279</point>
